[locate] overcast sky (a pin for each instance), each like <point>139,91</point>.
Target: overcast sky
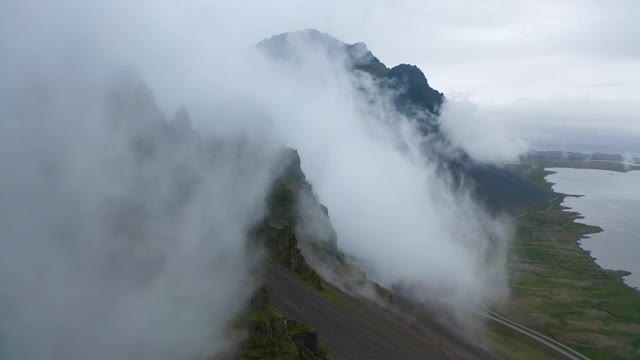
<point>551,74</point>
<point>545,74</point>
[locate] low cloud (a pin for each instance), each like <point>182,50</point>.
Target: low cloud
<point>502,131</point>
<point>120,241</point>
<point>574,124</point>
<point>124,234</point>
<point>483,135</point>
<point>388,201</point>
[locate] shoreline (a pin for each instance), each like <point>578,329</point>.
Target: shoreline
<point>576,215</point>
<point>558,288</point>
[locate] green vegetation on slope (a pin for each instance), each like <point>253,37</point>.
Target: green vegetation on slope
<point>277,230</point>
<point>514,345</point>
<point>274,336</point>
<point>559,290</point>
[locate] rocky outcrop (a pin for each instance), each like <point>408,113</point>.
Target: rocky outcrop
<point>278,229</point>
<point>414,89</point>
<point>274,336</point>
<point>409,84</point>
<point>414,97</point>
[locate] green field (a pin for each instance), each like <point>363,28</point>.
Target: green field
<point>559,290</point>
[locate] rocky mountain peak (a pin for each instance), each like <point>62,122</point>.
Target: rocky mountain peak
<point>414,88</point>
<point>411,82</point>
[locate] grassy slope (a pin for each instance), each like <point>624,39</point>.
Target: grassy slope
<point>559,290</point>
<point>511,344</point>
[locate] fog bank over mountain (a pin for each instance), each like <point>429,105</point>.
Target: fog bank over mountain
<point>125,228</point>
<point>124,233</point>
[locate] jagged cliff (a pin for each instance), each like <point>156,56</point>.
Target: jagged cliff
<point>298,253</point>
<point>336,313</point>
<point>413,96</point>
<point>278,231</point>
<point>272,335</point>
<point>170,164</point>
<point>413,92</point>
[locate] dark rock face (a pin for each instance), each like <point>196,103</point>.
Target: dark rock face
<point>414,89</point>
<point>259,299</point>
<point>305,341</point>
<point>410,83</point>
<point>274,336</point>
<point>278,230</point>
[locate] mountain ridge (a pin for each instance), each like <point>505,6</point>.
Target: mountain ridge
<point>281,232</point>
<point>499,189</point>
<point>407,79</point>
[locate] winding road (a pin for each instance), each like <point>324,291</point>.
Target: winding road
<point>562,349</point>
<point>528,211</point>
<point>545,340</point>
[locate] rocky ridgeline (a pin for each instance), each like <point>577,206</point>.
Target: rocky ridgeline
<point>277,232</point>
<point>274,336</point>
<point>409,84</point>
<point>412,95</point>
<point>178,157</point>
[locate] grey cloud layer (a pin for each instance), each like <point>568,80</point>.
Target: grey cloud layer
<point>389,205</point>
